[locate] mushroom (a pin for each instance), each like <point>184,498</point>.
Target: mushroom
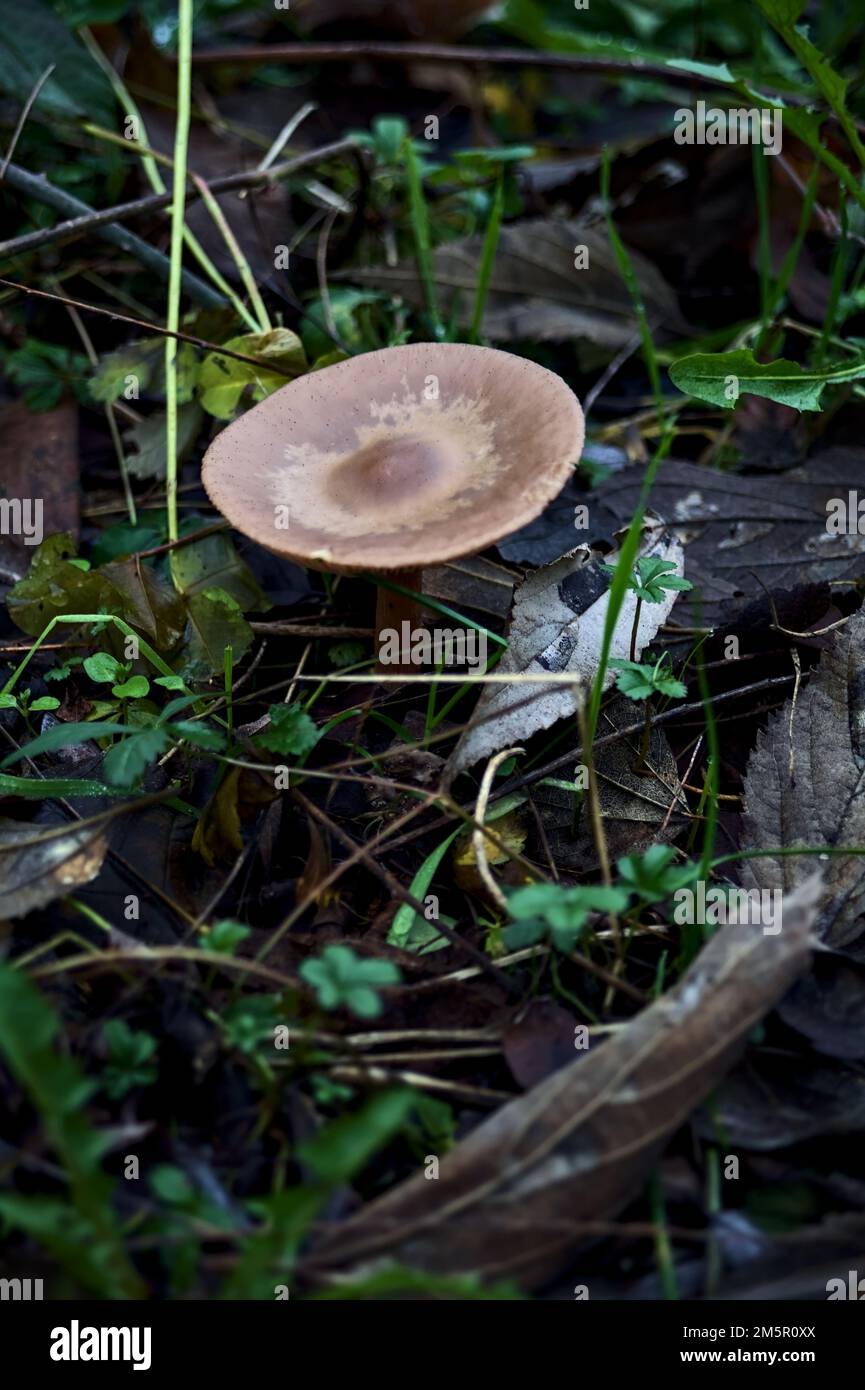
<point>396,460</point>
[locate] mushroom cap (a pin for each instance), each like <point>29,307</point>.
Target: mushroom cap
<point>397,459</point>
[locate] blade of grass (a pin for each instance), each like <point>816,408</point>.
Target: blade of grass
<point>150,165</point>
<point>420,229</point>
<point>839,271</point>
<point>488,256</point>
<point>626,270</point>
<point>178,204</point>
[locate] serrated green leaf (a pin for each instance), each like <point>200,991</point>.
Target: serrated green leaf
<point>292,733</point>
<point>125,763</point>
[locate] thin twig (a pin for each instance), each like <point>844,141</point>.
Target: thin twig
<point>87,219</point>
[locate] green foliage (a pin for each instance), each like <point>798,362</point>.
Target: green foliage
<point>341,654</point>
<point>213,563</point>
<point>553,911</point>
<point>129,1059</point>
<point>342,1148</point>
<point>41,788</point>
<point>144,360</point>
<point>292,733</point>
<point>342,979</point>
<point>105,669</point>
<point>351,322</point>
<point>222,381</point>
<point>26,706</point>
<point>214,621</point>
<point>89,1244</point>
<point>126,762</point>
<point>399,1279</point>
<point>640,682</point>
<point>224,937</point>
<point>44,372</point>
<point>654,875</point>
<point>250,1020</point>
<point>63,736</point>
<point>55,585</point>
<point>652,577</point>
<point>721,377</point>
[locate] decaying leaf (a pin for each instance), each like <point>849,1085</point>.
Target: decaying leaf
<point>516,1198</point>
<point>805,786</point>
<point>737,529</point>
<point>633,807</point>
<point>770,1104</point>
<point>535,290</point>
<point>556,626</point>
<point>38,866</point>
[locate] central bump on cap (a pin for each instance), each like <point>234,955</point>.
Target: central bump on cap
<point>391,472</point>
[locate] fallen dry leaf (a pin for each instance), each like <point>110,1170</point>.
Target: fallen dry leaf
<point>535,290</point>
<point>633,807</point>
<point>805,785</point>
<point>557,625</point>
<point>517,1197</point>
<point>770,1104</point>
<point>738,528</point>
<point>39,866</point>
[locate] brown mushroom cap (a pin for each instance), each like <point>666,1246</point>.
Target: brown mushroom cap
<point>401,458</point>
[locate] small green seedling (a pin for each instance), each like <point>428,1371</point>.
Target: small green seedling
<point>25,706</point>
<point>105,669</point>
<point>642,682</point>
<point>654,876</point>
<point>557,912</point>
<point>651,580</point>
<point>342,979</point>
<point>130,1062</point>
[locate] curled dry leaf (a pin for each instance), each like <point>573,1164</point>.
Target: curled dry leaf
<point>38,866</point>
<point>557,625</point>
<point>738,529</point>
<point>517,1198</point>
<point>535,290</point>
<point>637,810</point>
<point>805,785</point>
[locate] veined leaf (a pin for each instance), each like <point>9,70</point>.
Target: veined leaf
<point>722,377</point>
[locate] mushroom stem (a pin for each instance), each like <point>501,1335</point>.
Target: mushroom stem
<point>394,609</point>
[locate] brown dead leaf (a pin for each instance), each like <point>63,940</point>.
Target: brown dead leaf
<point>39,866</point>
<point>515,1198</point>
<point>633,807</point>
<point>737,528</point>
<point>805,785</point>
<point>535,290</point>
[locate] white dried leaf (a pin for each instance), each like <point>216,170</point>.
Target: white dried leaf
<point>557,625</point>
